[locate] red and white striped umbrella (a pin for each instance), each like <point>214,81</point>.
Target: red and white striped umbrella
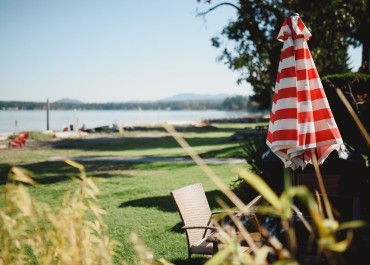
<point>301,118</point>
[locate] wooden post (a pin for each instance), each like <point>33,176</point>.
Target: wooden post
<point>75,120</point>
<point>47,113</point>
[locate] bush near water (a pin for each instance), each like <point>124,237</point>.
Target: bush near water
<point>232,103</point>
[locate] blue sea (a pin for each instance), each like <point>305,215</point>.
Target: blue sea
<point>36,120</point>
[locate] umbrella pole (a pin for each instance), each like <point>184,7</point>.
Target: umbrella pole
<point>293,181</point>
<point>321,185</point>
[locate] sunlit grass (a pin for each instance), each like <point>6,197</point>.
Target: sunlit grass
<point>136,197</point>
<point>213,142</point>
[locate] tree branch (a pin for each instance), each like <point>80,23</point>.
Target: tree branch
<point>216,6</point>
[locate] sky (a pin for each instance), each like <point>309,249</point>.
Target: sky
<point>100,51</point>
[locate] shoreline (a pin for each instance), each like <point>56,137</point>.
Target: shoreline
<point>116,127</point>
<point>69,134</point>
<point>20,121</point>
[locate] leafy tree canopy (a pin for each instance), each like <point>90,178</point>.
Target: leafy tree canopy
<point>248,43</point>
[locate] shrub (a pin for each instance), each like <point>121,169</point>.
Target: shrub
<point>356,88</point>
<point>252,151</point>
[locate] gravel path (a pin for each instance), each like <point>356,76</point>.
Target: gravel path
<point>149,159</point>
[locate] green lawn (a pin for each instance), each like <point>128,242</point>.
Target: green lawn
<point>136,196</point>
<point>210,142</point>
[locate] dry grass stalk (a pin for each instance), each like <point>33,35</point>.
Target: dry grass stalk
<point>32,233</point>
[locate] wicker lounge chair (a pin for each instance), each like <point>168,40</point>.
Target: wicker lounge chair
<point>196,217</point>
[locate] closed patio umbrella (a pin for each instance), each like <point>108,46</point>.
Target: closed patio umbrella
<point>301,118</point>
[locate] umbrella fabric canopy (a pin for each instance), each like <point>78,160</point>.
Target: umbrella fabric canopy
<point>300,118</point>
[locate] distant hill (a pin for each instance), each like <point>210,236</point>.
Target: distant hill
<point>192,96</point>
<point>179,97</point>
<point>179,102</point>
<point>68,101</point>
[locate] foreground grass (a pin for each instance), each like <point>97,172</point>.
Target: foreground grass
<point>137,199</point>
<point>136,196</point>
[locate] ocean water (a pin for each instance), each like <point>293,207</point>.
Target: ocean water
<point>36,120</point>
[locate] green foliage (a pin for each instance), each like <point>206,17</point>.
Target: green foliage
<point>240,103</point>
<point>235,103</point>
<point>35,136</point>
<point>158,105</point>
<point>351,83</point>
<point>323,230</point>
<point>361,36</point>
<point>255,52</point>
<point>330,240</point>
<point>40,136</point>
<point>252,151</point>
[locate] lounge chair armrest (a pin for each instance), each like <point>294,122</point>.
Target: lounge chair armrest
<point>222,212</point>
<point>199,227</point>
